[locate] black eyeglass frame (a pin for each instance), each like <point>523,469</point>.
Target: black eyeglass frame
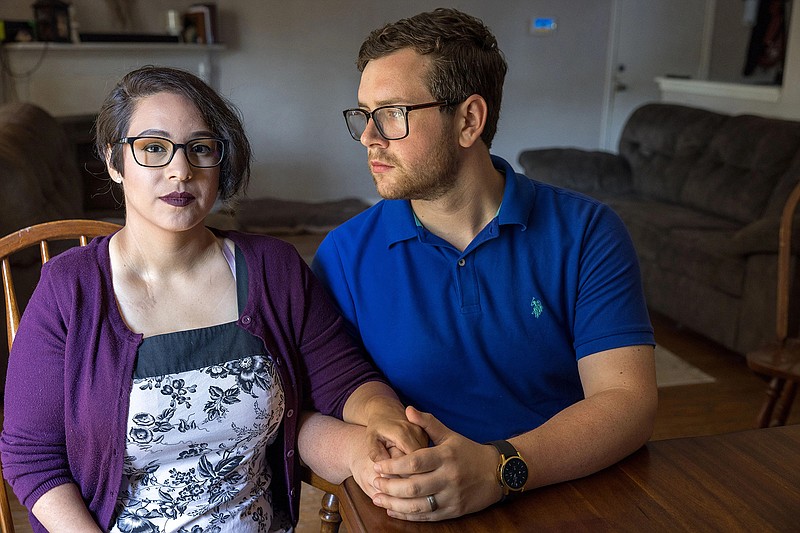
<point>405,108</point>
<point>175,146</point>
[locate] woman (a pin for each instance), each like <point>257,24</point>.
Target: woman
<point>157,375</point>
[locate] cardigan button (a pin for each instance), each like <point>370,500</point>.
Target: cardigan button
<point>290,454</point>
<point>246,319</point>
<point>290,413</point>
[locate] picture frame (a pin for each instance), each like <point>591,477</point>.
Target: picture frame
<point>201,20</point>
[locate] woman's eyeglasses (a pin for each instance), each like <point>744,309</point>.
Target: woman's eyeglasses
<point>205,152</point>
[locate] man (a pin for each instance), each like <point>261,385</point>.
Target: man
<point>509,310</point>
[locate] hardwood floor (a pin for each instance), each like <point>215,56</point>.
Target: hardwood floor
<point>729,404</point>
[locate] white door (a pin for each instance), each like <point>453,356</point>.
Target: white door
<point>651,38</point>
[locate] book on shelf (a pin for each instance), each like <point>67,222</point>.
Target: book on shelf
<point>200,24</point>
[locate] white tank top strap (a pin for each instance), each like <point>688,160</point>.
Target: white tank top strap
<point>227,251</point>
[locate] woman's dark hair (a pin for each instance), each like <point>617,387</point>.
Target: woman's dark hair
<point>465,59</point>
<point>221,116</point>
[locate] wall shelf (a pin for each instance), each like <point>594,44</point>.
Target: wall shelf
<point>113,47</point>
<point>760,93</point>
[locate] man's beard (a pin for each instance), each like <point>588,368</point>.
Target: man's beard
<point>428,179</point>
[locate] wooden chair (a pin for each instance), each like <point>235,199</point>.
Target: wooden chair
<point>41,235</point>
<point>779,360</point>
<point>82,231</point>
<point>329,516</point>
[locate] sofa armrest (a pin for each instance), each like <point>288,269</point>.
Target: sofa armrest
<point>761,237</point>
<point>40,179</point>
<point>581,170</point>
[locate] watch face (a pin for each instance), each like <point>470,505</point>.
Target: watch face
<point>515,473</point>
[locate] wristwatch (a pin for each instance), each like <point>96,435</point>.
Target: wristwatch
<point>512,472</point>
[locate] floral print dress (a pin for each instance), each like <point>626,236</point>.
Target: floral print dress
<point>205,405</point>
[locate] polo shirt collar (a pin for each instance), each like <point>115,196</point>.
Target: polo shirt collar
<point>515,208</point>
<point>399,219</point>
<point>517,196</point>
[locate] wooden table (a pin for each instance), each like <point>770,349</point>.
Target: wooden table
<point>745,481</point>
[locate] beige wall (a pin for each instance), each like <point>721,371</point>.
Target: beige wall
<point>289,67</point>
<point>787,101</point>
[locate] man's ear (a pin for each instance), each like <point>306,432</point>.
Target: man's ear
<point>472,113</point>
<point>115,175</point>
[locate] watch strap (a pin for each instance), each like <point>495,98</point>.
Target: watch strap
<point>505,448</point>
<point>507,451</point>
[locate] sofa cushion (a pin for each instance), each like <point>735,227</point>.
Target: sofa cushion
<point>664,216</point>
<point>739,171</point>
<point>651,223</point>
<point>701,254</point>
<point>695,305</point>
<point>685,240</point>
<point>662,142</point>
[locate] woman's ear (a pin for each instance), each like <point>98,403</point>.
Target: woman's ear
<point>115,175</point>
<point>473,112</point>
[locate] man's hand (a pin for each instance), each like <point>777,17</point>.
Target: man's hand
<point>458,473</point>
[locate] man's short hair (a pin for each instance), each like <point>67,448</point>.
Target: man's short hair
<point>464,53</point>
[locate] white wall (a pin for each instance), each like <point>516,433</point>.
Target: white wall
<point>290,67</point>
<point>785,105</point>
<point>553,93</point>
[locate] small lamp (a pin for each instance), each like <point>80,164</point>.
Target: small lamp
<point>52,20</point>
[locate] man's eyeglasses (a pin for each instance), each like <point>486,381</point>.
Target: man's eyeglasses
<point>390,120</point>
<point>205,152</point>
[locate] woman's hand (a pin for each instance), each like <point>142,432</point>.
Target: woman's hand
<point>336,450</point>
<point>376,406</point>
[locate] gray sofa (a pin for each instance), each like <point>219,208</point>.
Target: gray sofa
<point>701,194</point>
<point>39,181</point>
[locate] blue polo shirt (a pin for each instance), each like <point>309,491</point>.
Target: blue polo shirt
<point>488,339</point>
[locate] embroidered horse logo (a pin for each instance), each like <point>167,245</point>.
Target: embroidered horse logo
<point>536,307</point>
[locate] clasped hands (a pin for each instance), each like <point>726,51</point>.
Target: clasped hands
<point>402,474</point>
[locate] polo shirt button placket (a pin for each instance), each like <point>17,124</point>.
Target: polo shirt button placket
<point>467,286</point>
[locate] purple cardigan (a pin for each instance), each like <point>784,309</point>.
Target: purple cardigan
<point>70,371</point>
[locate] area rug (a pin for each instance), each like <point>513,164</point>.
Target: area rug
<point>672,371</point>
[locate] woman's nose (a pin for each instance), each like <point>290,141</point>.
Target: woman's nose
<point>179,168</point>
